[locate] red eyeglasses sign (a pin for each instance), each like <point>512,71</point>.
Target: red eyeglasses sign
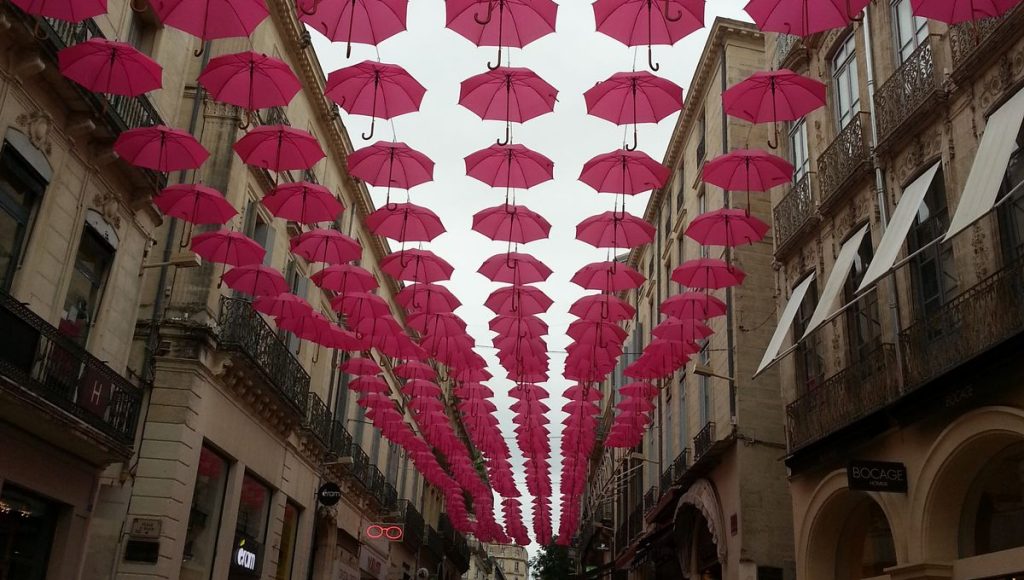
<point>392,533</point>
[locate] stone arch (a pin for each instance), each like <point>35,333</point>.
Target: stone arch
<point>963,447</point>
<point>701,498</point>
<point>32,148</point>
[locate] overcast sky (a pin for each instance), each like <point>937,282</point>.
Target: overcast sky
<point>573,60</point>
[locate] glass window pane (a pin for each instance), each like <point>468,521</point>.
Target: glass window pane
<point>289,534</point>
<point>87,277</point>
<point>204,517</point>
<point>27,524</point>
<point>993,518</point>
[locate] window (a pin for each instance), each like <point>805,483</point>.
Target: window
<point>705,387</point>
<point>702,206</point>
<point>933,272</point>
<point>20,189</point>
<point>142,30</point>
<point>866,548</point>
<point>298,284</point>
<point>863,324</point>
<point>701,135</point>
<point>993,516</point>
<point>844,82</point>
<point>810,365</point>
<point>798,150</point>
<point>27,525</point>
<point>678,188</point>
<point>1011,212</point>
<point>251,525</point>
<point>204,517</point>
<point>92,263</point>
<point>289,535</point>
<point>909,31</point>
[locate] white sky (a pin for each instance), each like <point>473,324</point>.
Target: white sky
<point>573,60</point>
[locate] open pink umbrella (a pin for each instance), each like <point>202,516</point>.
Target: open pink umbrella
<point>111,67</point>
<point>225,247</point>
<point>511,223</point>
<point>387,164</point>
<point>212,19</point>
<point>615,230</point>
<point>696,305</point>
<point>369,385</point>
<point>303,202</point>
<point>773,96</point>
<point>508,94</point>
<point>517,22</point>
<point>682,330</point>
<point>515,268</point>
<point>250,80</point>
<point>518,325</point>
<point>602,307</point>
<point>160,148</point>
<point>441,323</point>
<point>328,246</point>
<point>748,170</point>
<point>282,306</point>
<point>360,366</point>
<point>66,10</point>
<point>421,388</point>
<point>359,305</point>
<point>625,172</point>
<point>428,298</point>
<point>726,227</point>
<point>521,300</point>
<point>415,370</point>
<point>509,166</point>
<point>195,204</point>
<point>255,280</point>
<point>376,89</point>
<point>628,98</point>
<point>405,222</point>
<point>279,148</point>
<point>345,278</point>
<point>417,266</point>
<point>639,22</point>
<point>608,277</point>
<point>708,273</point>
<point>804,17</point>
<point>638,389</point>
<point>360,21</point>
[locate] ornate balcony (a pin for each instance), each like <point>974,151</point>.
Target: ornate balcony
<point>908,94</point>
<point>57,377</point>
<point>843,398</point>
<point>847,158</point>
<point>434,543</point>
<point>341,440</point>
<point>360,467</point>
<point>318,419</point>
<point>794,213</point>
<point>414,526</point>
<point>972,42</point>
<point>455,545</point>
<point>704,440</point>
<point>978,319</point>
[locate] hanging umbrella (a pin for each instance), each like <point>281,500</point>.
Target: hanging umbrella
<point>416,266</point>
<point>629,98</point>
<point>368,385</point>
<point>376,89</point>
<point>279,148</point>
<point>804,17</point>
<point>638,390</point>
<point>708,273</point>
<point>726,227</point>
<point>360,21</point>
<point>421,388</point>
<point>415,370</point>
<point>521,300</point>
<point>695,305</point>
<point>957,11</point>
<point>303,202</point>
<point>250,80</point>
<point>428,298</point>
<point>582,393</point>
<point>211,19</point>
<point>608,277</point>
<point>640,22</point>
<point>282,306</point>
<point>515,268</point>
<point>615,230</point>
<point>509,166</point>
<point>160,148</point>
<point>360,366</point>
<point>773,96</point>
<point>602,307</point>
<point>518,325</point>
<point>635,404</point>
<point>225,247</point>
<point>623,171</point>
<point>111,67</point>
<point>511,223</point>
<point>359,305</point>
<point>387,164</point>
<point>596,332</point>
<point>327,246</point>
<point>66,10</point>
<point>195,204</point>
<point>474,391</point>
<point>255,280</point>
<point>748,170</point>
<point>405,222</point>
<point>442,323</point>
<point>517,22</point>
<point>513,95</point>
<point>345,278</point>
<point>682,330</point>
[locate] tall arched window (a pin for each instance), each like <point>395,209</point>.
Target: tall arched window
<point>865,548</point>
<point>993,516</point>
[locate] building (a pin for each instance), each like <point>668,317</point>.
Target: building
<point>900,291</point>
<point>511,561</point>
<point>704,495</point>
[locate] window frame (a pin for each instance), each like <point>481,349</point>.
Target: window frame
<point>24,215</point>
<point>920,34</point>
<point>798,142</point>
<point>844,64</point>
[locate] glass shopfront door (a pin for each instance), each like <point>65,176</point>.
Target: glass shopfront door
<point>27,523</point>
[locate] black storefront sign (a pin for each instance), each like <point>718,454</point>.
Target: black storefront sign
<point>245,557</point>
<point>882,476</point>
<point>329,494</point>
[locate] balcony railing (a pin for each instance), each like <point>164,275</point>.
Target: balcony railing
<point>341,440</point>
<point>981,317</point>
<point>360,468</point>
<point>794,212</point>
<point>455,545</point>
<point>244,330</point>
<point>415,527</point>
<point>968,40</point>
<point>318,419</point>
<point>435,543</point>
<point>907,93</point>
<point>704,440</point>
<point>40,359</point>
<point>636,522</point>
<point>850,394</point>
<point>844,160</point>
<point>390,495</point>
<point>649,499</point>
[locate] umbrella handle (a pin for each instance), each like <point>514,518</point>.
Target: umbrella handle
<point>508,135</point>
<point>199,52</point>
<point>245,120</point>
<point>669,17</point>
<point>497,63</point>
<point>650,59</point>
<point>367,137</point>
<point>635,142</point>
<point>775,144</point>
<point>486,19</point>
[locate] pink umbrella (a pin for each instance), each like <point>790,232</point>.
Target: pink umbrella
<point>107,66</point>
<point>195,204</point>
<point>421,388</point>
<point>634,97</point>
<point>726,227</point>
<point>345,278</point>
<point>582,393</point>
<point>508,94</point>
<point>601,333</point>
<point>250,80</point>
<point>639,22</point>
<point>416,266</point>
<point>442,323</point>
<point>695,305</point>
<point>358,305</point>
<point>415,370</point>
<point>708,273</point>
<point>282,306</point>
<point>303,202</point>
<point>638,390</point>
<point>405,222</point>
<point>387,164</point>
<point>688,330</point>
<point>957,11</point>
<point>360,366</point>
<point>376,89</point>
<point>608,277</point>
<point>521,300</point>
<point>428,298</point>
<point>518,22</point>
<point>255,280</point>
<point>66,10</point>
<point>225,247</point>
<point>509,166</point>
<point>779,95</point>
<point>615,230</point>
<point>361,21</point>
<point>160,148</point>
<point>511,223</point>
<point>212,19</point>
<point>279,148</point>
<point>747,169</point>
<point>626,172</point>
<point>518,325</point>
<point>803,17</point>
<point>515,268</point>
<point>328,246</point>
<point>369,385</point>
<point>602,307</point>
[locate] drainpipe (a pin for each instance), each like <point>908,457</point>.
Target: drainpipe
<point>729,317</point>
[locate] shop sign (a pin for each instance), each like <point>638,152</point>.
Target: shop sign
<point>329,494</point>
<point>371,564</point>
<point>245,557</point>
<point>883,476</point>
<point>146,528</point>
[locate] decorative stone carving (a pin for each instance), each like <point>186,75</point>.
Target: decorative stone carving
<point>109,206</point>
<point>37,125</point>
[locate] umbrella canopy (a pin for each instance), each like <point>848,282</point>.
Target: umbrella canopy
<point>303,202</point>
<point>160,148</point>
<point>442,323</point>
<point>279,148</point>
<point>421,388</point>
<point>405,222</point>
<point>509,166</point>
<point>66,10</point>
<point>226,247</point>
<point>250,80</point>
<point>803,17</point>
<point>521,300</point>
<point>415,370</point>
<point>417,266</point>
<point>282,306</point>
<point>773,96</point>
<point>196,204</point>
<point>628,98</point>
<point>369,384</point>
<point>108,66</point>
<point>511,223</point>
<point>748,170</point>
<point>360,366</point>
<point>640,22</point>
<point>602,307</point>
<point>638,390</point>
<point>380,90</point>
<point>508,94</point>
<point>501,22</point>
<point>358,305</point>
<point>528,326</point>
<point>695,305</point>
<point>726,227</point>
<point>608,277</point>
<point>359,21</point>
<point>211,19</point>
<point>327,246</point>
<point>708,273</point>
<point>427,298</point>
<point>615,230</point>
<point>345,278</point>
<point>623,171</point>
<point>682,330</point>
<point>388,164</point>
<point>255,280</point>
<point>515,268</point>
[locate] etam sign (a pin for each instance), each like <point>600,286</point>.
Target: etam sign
<point>246,557</point>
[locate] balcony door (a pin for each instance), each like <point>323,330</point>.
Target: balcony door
<point>863,324</point>
<point>798,150</point>
<point>21,187</point>
<point>933,271</point>
<point>845,85</point>
<point>1011,212</point>
<point>909,31</point>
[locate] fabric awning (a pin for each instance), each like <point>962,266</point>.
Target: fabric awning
<point>990,162</point>
<point>834,285</point>
<point>785,321</point>
<point>899,226</point>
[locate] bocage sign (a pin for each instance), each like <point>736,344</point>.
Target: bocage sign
<point>245,557</point>
<point>388,531</point>
<point>881,476</point>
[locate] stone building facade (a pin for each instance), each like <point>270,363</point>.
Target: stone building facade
<point>901,300</point>
<point>512,561</point>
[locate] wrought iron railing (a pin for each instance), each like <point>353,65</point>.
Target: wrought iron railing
<point>375,485</point>
<point>40,359</point>
<point>674,471</point>
<point>434,542</point>
<point>968,39</point>
<point>244,330</point>
<point>844,159</point>
<point>846,396</point>
<point>318,419</point>
<point>390,495</point>
<point>415,527</point>
<point>981,317</point>
<point>360,468</point>
<point>636,522</point>
<point>703,441</point>
<point>794,212</point>
<point>649,499</point>
<point>907,92</point>
<point>455,545</point>
<point>341,440</point>
<point>784,45</point>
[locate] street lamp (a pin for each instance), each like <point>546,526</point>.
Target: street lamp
<point>704,370</point>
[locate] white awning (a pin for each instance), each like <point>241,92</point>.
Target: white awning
<point>788,315</point>
<point>990,162</point>
<point>840,270</point>
<point>899,226</point>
